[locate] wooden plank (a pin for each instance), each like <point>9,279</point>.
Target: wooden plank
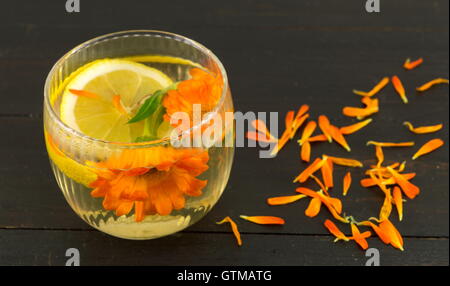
<point>25,247</point>
<point>285,47</point>
<point>30,198</point>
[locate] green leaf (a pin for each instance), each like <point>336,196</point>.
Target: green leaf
<point>151,104</point>
<point>148,107</point>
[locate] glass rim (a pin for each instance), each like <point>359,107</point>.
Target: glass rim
<point>55,118</point>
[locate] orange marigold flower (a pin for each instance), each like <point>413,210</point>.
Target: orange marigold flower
<point>203,88</point>
<point>153,180</point>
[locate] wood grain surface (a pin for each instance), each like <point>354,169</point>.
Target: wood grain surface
<point>278,55</point>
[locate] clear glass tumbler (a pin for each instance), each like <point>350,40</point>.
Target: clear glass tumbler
<point>145,190</point>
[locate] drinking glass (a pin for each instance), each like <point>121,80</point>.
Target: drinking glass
<point>99,178</point>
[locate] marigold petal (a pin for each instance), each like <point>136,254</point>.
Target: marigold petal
<point>305,151</point>
<point>423,129</point>
<point>394,235</point>
<point>283,200</point>
<point>307,132</point>
<point>346,183</point>
<point>234,228</point>
<point>360,238</point>
<point>346,130</point>
<point>339,138</point>
<point>391,144</point>
<point>327,172</point>
<point>379,86</point>
<point>383,236</point>
<point>346,162</point>
<point>398,200</point>
<point>379,154</point>
<point>428,147</point>
<point>263,219</point>
<point>318,138</point>
<point>386,209</point>
<point>410,190</point>
<point>313,207</point>
<point>298,122</point>
<point>258,136</point>
<point>431,83</point>
<point>398,86</point>
<point>311,169</point>
<point>334,230</point>
<point>84,93</point>
<point>324,125</point>
<point>409,65</point>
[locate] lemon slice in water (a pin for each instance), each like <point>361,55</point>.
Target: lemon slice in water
<point>119,87</point>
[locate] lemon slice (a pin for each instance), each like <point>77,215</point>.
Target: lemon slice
<point>101,117</point>
<point>71,168</point>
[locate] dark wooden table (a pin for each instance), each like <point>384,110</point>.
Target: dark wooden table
<point>279,55</point>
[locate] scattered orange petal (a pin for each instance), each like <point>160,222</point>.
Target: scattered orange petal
<point>386,208</point>
<point>276,201</point>
<point>346,162</point>
<point>261,127</point>
<point>307,132</point>
<point>289,119</point>
<point>318,138</point>
<point>305,153</point>
<point>394,235</point>
<point>346,130</point>
<point>428,147</point>
<point>368,182</point>
<point>324,125</point>
<point>398,201</point>
<point>379,86</point>
<point>360,238</point>
<point>234,228</point>
<point>379,154</point>
<point>409,65</point>
<point>334,205</point>
<point>391,144</point>
<point>298,122</point>
<point>258,136</point>
<point>327,172</point>
<point>347,183</point>
<point>334,230</point>
<point>410,190</point>
<point>321,185</point>
<point>311,169</point>
<point>313,207</point>
<point>263,219</point>
<point>360,113</point>
<point>84,93</point>
<point>399,88</point>
<point>383,236</point>
<point>423,129</point>
<point>431,83</point>
<point>339,138</point>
